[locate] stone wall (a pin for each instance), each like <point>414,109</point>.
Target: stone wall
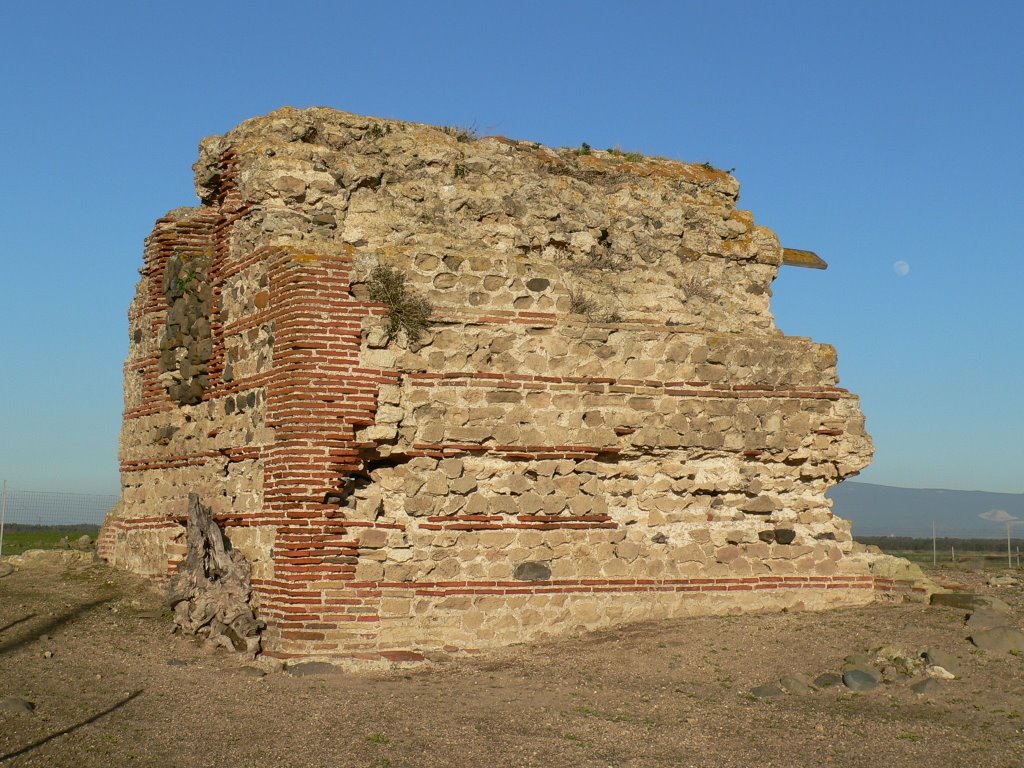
<point>599,424</point>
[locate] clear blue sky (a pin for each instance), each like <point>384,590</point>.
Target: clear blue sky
<point>870,132</point>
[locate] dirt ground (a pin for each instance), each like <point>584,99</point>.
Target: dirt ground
<point>90,648</point>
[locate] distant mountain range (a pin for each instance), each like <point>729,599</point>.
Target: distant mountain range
<point>884,510</point>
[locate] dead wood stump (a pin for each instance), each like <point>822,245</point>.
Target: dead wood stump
<point>210,593</point>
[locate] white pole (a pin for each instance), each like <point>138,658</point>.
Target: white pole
<point>1009,552</point>
<point>3,516</point>
<point>935,555</point>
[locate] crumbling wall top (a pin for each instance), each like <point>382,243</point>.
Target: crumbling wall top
<point>645,236</point>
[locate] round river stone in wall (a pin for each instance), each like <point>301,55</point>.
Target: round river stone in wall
<point>532,570</point>
<point>445,280</point>
<point>785,535</point>
<point>537,284</point>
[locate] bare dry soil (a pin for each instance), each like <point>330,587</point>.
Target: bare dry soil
<point>92,649</point>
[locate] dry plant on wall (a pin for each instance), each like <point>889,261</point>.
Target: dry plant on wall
<point>580,303</point>
<point>598,260</point>
<point>462,133</point>
<point>696,289</point>
<point>407,311</point>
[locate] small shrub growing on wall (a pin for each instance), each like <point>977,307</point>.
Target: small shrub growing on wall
<point>406,311</point>
<point>462,133</point>
<point>580,303</point>
<point>696,289</point>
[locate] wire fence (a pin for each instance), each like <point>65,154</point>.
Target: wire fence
<point>924,530</point>
<point>47,518</point>
<point>997,545</point>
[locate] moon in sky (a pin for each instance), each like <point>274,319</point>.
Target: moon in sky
<point>901,268</point>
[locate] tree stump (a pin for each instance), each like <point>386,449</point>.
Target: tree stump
<point>210,593</point>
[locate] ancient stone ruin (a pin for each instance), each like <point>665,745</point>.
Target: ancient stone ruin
<point>451,392</point>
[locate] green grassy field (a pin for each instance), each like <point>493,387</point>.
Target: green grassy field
<point>18,538</point>
<point>986,554</point>
<point>981,560</point>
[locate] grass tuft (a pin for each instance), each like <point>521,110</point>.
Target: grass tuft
<point>407,311</point>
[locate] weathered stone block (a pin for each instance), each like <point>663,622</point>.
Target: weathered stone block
<point>532,571</point>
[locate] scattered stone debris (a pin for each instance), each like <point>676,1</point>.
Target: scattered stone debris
<point>969,601</point>
<point>999,640</point>
<point>886,665</point>
<point>925,673</point>
<point>768,691</point>
<point>17,704</point>
<point>861,679</point>
<point>991,627</point>
<point>940,673</point>
<point>828,680</point>
<point>309,668</point>
<point>894,662</point>
<point>797,684</point>
<point>859,660</point>
<point>926,687</point>
<point>67,557</point>
<point>941,664</point>
<point>985,619</point>
<point>1003,580</point>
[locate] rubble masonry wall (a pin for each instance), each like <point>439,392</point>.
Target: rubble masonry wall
<point>600,424</point>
